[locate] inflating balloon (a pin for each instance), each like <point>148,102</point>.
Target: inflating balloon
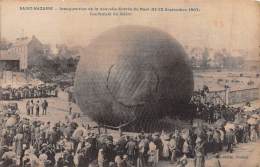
<point>130,73</point>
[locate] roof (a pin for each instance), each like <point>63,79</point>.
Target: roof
<point>22,41</point>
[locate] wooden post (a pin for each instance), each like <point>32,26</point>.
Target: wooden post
<point>120,131</point>
<point>105,129</point>
<point>227,95</point>
<point>99,132</point>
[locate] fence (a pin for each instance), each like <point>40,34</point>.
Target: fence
<point>245,95</point>
<point>233,96</point>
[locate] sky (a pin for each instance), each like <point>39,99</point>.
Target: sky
<point>230,24</point>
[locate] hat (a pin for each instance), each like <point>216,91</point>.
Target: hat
<point>43,157</point>
<point>125,156</point>
<point>44,145</point>
<point>50,146</point>
<point>166,137</point>
<point>198,140</point>
<point>111,164</point>
<point>24,146</point>
<point>87,145</point>
<point>5,147</point>
<point>156,134</point>
<point>27,152</point>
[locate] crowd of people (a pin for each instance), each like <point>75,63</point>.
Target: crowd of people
<point>211,112</point>
<point>27,92</point>
<point>29,142</point>
<point>70,143</point>
<point>206,110</point>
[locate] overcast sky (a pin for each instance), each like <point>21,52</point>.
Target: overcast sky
<point>231,24</point>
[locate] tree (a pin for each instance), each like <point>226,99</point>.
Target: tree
<point>219,59</point>
<point>193,61</point>
<point>205,59</point>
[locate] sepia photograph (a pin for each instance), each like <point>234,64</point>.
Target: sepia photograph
<point>159,83</point>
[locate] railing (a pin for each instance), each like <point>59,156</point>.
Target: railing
<point>231,97</point>
<point>244,95</point>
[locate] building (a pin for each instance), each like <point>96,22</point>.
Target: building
<point>22,53</point>
<point>9,61</point>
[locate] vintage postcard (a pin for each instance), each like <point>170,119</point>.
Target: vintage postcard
<point>129,83</point>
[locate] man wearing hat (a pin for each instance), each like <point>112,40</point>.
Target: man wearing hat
<point>28,107</point>
<point>3,149</point>
<point>159,145</point>
<point>68,158</point>
<point>5,137</point>
<point>102,160</point>
<point>165,141</point>
<point>230,140</point>
<point>31,107</point>
<point>200,153</point>
<point>37,108</point>
<point>26,159</point>
<point>172,148</point>
<point>131,149</point>
<point>82,156</point>
<point>183,161</point>
<point>9,159</point>
<point>141,149</point>
<point>18,140</point>
<point>44,107</point>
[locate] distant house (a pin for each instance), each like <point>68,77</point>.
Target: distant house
<point>9,61</point>
<point>22,53</point>
<point>252,64</point>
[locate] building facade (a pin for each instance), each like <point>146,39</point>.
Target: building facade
<point>22,53</point>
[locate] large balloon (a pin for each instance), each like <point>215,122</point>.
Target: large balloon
<point>130,73</point>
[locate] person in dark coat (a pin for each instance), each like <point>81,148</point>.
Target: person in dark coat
<point>50,152</point>
<point>37,108</point>
<point>3,149</point>
<point>131,149</point>
<point>44,107</point>
<point>60,162</point>
<point>68,159</point>
<point>200,152</point>
<point>31,107</point>
<point>28,107</point>
<point>216,141</point>
<point>230,138</point>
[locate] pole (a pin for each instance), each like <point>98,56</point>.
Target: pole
<point>120,131</point>
<point>226,94</point>
<point>12,78</point>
